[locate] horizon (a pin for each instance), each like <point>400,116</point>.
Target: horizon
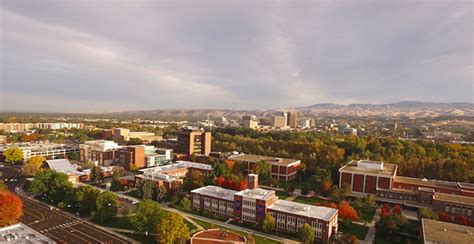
<point>83,57</point>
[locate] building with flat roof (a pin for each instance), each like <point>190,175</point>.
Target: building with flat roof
<point>194,141</point>
<point>436,232</point>
<point>251,206</point>
<point>65,167</point>
<point>250,121</point>
<point>20,233</point>
<point>42,149</point>
<point>100,152</point>
<point>292,120</point>
<point>122,135</point>
<point>282,168</point>
<point>290,216</point>
<point>365,176</point>
<point>144,156</point>
<point>279,121</point>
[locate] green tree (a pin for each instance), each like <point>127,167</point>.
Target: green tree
<point>306,234</point>
<point>105,206</point>
<point>196,180</point>
<point>186,203</point>
<point>96,174</point>
<point>54,186</point>
<point>115,185</point>
<point>133,167</point>
<point>160,193</point>
<point>85,198</point>
<point>370,200</point>
<point>74,156</point>
<point>148,189</point>
<point>32,166</point>
<point>172,228</point>
<point>263,169</point>
<point>135,141</point>
<point>147,216</point>
<point>425,213</point>
<point>268,223</point>
<point>13,155</point>
<point>2,185</point>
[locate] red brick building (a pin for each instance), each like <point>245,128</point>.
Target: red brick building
<point>282,168</point>
<point>365,177</point>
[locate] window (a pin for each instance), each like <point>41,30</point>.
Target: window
<point>446,209</point>
<point>469,212</point>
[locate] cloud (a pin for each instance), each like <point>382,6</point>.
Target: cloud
<point>145,54</point>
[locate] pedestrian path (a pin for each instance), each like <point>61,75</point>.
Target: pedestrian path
<point>369,237</point>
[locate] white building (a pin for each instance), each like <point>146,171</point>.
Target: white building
<point>20,233</point>
<point>46,150</point>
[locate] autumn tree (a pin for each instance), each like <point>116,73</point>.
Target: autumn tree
<point>370,201</point>
<point>426,213</point>
<point>461,220</point>
<point>106,206</point>
<point>326,187</point>
<point>443,216</point>
<point>11,208</point>
<point>172,228</point>
<point>268,223</point>
<point>220,180</point>
<point>306,234</point>
<point>32,166</point>
<point>348,212</point>
<point>397,209</point>
<point>147,216</point>
<point>13,155</point>
<point>133,167</point>
<point>384,211</point>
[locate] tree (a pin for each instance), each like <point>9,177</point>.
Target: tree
<point>370,200</point>
<point>426,213</point>
<point>186,203</point>
<point>115,185</point>
<point>32,166</point>
<point>11,208</point>
<point>461,220</point>
<point>96,174</point>
<point>135,141</point>
<point>347,212</point>
<point>160,193</point>
<point>147,216</point>
<point>54,186</point>
<point>105,206</point>
<point>397,209</point>
<point>13,155</point>
<point>74,156</point>
<point>358,204</point>
<point>85,198</point>
<point>268,223</point>
<point>384,211</point>
<point>326,187</point>
<point>2,185</point>
<point>220,180</point>
<point>263,169</point>
<point>306,234</point>
<point>443,216</point>
<point>196,180</point>
<point>133,167</point>
<point>391,224</point>
<point>148,189</point>
<point>171,229</point>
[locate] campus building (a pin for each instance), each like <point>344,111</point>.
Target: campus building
<point>250,121</point>
<point>100,152</point>
<point>144,156</point>
<point>65,167</point>
<point>373,177</point>
<point>251,206</point>
<point>435,232</point>
<point>45,150</point>
<point>20,233</point>
<point>122,135</point>
<point>292,119</point>
<point>282,168</point>
<point>194,141</point>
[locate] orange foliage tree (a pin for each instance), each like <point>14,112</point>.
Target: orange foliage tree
<point>326,187</point>
<point>397,209</point>
<point>243,185</point>
<point>11,208</point>
<point>443,216</point>
<point>384,211</point>
<point>461,220</point>
<point>220,180</point>
<point>330,205</point>
<point>347,212</point>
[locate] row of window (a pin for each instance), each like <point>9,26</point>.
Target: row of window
<point>292,223</point>
<point>454,209</point>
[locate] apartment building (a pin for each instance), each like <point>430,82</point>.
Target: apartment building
<point>41,149</point>
<point>194,141</point>
<point>292,119</point>
<point>100,152</point>
<point>282,168</point>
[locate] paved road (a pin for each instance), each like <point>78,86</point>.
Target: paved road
<point>57,225</point>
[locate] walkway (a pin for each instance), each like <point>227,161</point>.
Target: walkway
<point>369,237</point>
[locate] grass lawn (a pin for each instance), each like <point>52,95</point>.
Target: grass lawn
<point>200,213</point>
<point>282,195</point>
<point>358,230</point>
<point>367,214</point>
<point>257,239</point>
<point>385,239</point>
<point>308,200</point>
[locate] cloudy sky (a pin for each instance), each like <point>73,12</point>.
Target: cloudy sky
<point>92,56</point>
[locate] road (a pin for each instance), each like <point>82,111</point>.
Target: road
<point>59,226</point>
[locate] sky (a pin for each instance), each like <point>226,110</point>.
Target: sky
<point>103,56</point>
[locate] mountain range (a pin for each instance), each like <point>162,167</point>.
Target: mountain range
<point>406,108</point>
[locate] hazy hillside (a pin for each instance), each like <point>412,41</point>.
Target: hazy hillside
<point>409,109</point>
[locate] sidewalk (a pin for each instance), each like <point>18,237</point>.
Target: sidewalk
<point>369,237</point>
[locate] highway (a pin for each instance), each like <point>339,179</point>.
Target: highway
<point>59,226</point>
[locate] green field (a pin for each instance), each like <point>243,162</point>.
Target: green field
<point>282,195</point>
<point>367,214</point>
<point>358,230</point>
<point>308,200</point>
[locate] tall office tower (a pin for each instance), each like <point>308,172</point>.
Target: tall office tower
<point>194,141</point>
<point>292,119</point>
<point>279,121</point>
<point>250,121</point>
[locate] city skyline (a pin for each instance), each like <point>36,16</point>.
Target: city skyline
<point>92,57</point>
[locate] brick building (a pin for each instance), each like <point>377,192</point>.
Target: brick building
<point>194,141</point>
<point>144,156</point>
<point>251,206</point>
<point>365,177</point>
<point>100,152</point>
<point>282,168</point>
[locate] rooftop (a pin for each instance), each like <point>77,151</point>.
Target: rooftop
<point>367,166</point>
<point>435,183</point>
<point>63,166</point>
<point>435,231</point>
<point>216,191</point>
<point>259,193</point>
<point>37,146</point>
<point>317,212</point>
<point>20,233</point>
<point>256,158</point>
<point>454,198</point>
